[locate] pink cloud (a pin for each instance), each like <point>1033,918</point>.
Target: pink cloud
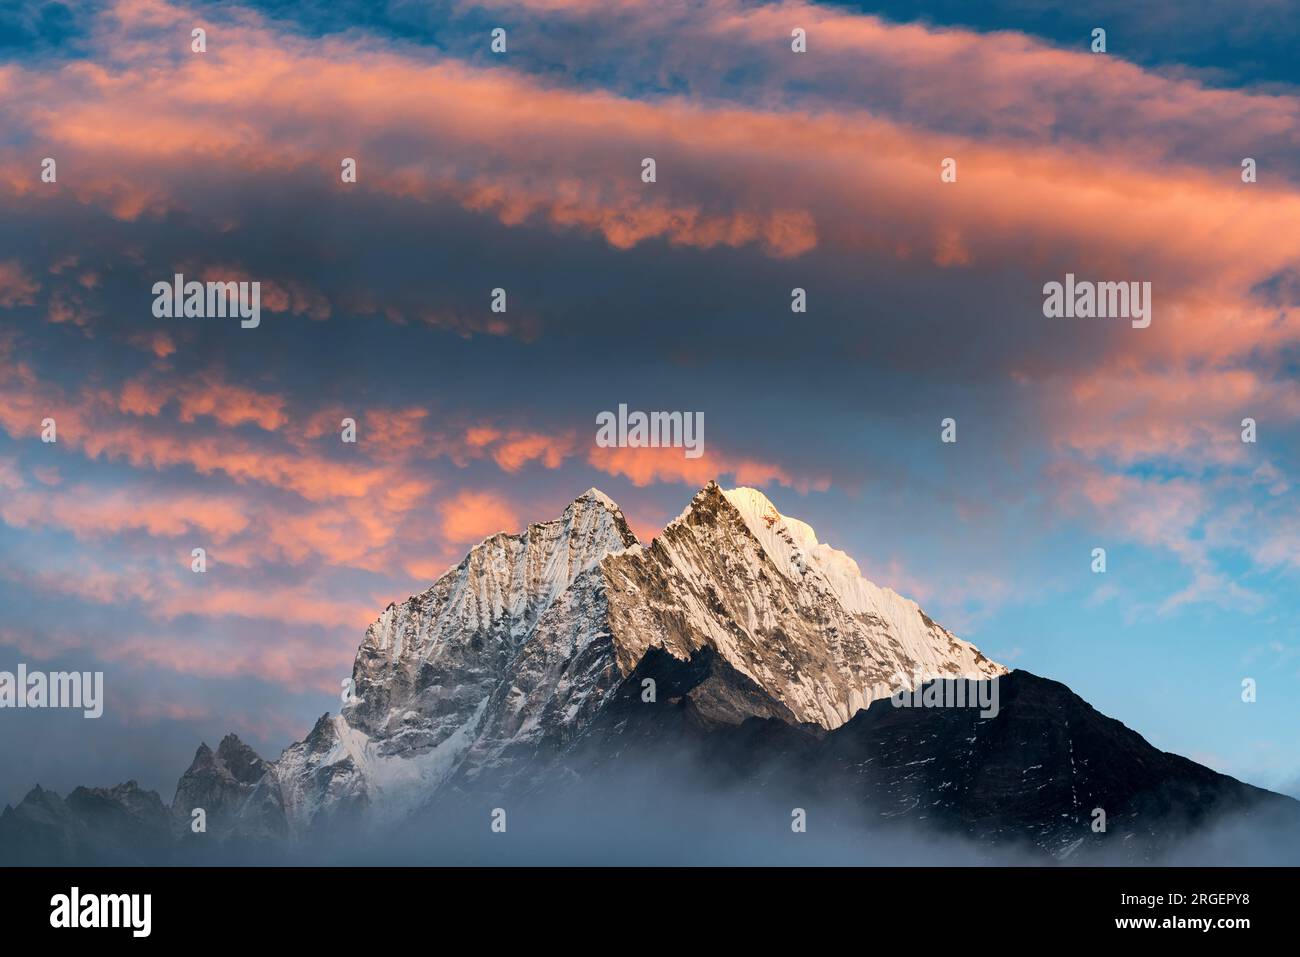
<point>17,288</point>
<point>786,180</point>
<point>89,512</point>
<point>643,466</point>
<point>470,516</point>
<point>512,449</point>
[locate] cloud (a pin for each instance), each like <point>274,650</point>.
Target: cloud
<point>204,394</point>
<point>89,511</point>
<point>17,288</point>
<point>1181,517</point>
<point>794,178</point>
<point>470,516</point>
<point>512,449</point>
<point>642,466</point>
<point>100,423</point>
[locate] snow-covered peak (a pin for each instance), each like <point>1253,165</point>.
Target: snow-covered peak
<point>595,507</point>
<point>793,547</point>
<point>596,495</point>
<point>589,503</point>
<point>782,537</point>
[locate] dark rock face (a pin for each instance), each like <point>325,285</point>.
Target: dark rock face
<point>118,825</point>
<point>1038,772</point>
<point>1032,777</point>
<point>40,830</point>
<point>126,824</point>
<point>132,823</point>
<point>236,790</point>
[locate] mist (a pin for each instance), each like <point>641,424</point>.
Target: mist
<point>670,810</point>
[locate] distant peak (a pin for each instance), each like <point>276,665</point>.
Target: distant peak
<point>42,796</point>
<point>233,749</point>
<point>594,494</point>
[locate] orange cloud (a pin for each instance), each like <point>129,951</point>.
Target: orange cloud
<point>395,432</point>
<point>181,593</point>
<point>230,404</point>
<point>512,449</point>
<point>277,295</point>
<point>1132,414</point>
<point>643,466</point>
<point>645,529</point>
<point>92,422</point>
<point>470,516</point>
<point>788,180</point>
<point>17,288</point>
<point>138,399</point>
<point>205,395</point>
<point>88,512</point>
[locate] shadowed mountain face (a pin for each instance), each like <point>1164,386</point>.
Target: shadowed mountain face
<point>118,825</point>
<point>1033,777</point>
<point>734,663</point>
<point>230,788</point>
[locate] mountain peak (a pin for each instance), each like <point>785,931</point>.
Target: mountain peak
<point>595,506</point>
<point>520,647</point>
<point>242,762</point>
<point>791,614</point>
<point>744,494</point>
<point>703,503</point>
<point>594,494</point>
<point>794,546</point>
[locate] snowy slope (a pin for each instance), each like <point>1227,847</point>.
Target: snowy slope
<point>793,545</point>
<point>791,614</point>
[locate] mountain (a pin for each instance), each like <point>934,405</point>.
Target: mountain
<point>119,825</point>
<point>735,651</point>
<point>232,787</point>
<point>516,650</point>
<point>1031,777</point>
